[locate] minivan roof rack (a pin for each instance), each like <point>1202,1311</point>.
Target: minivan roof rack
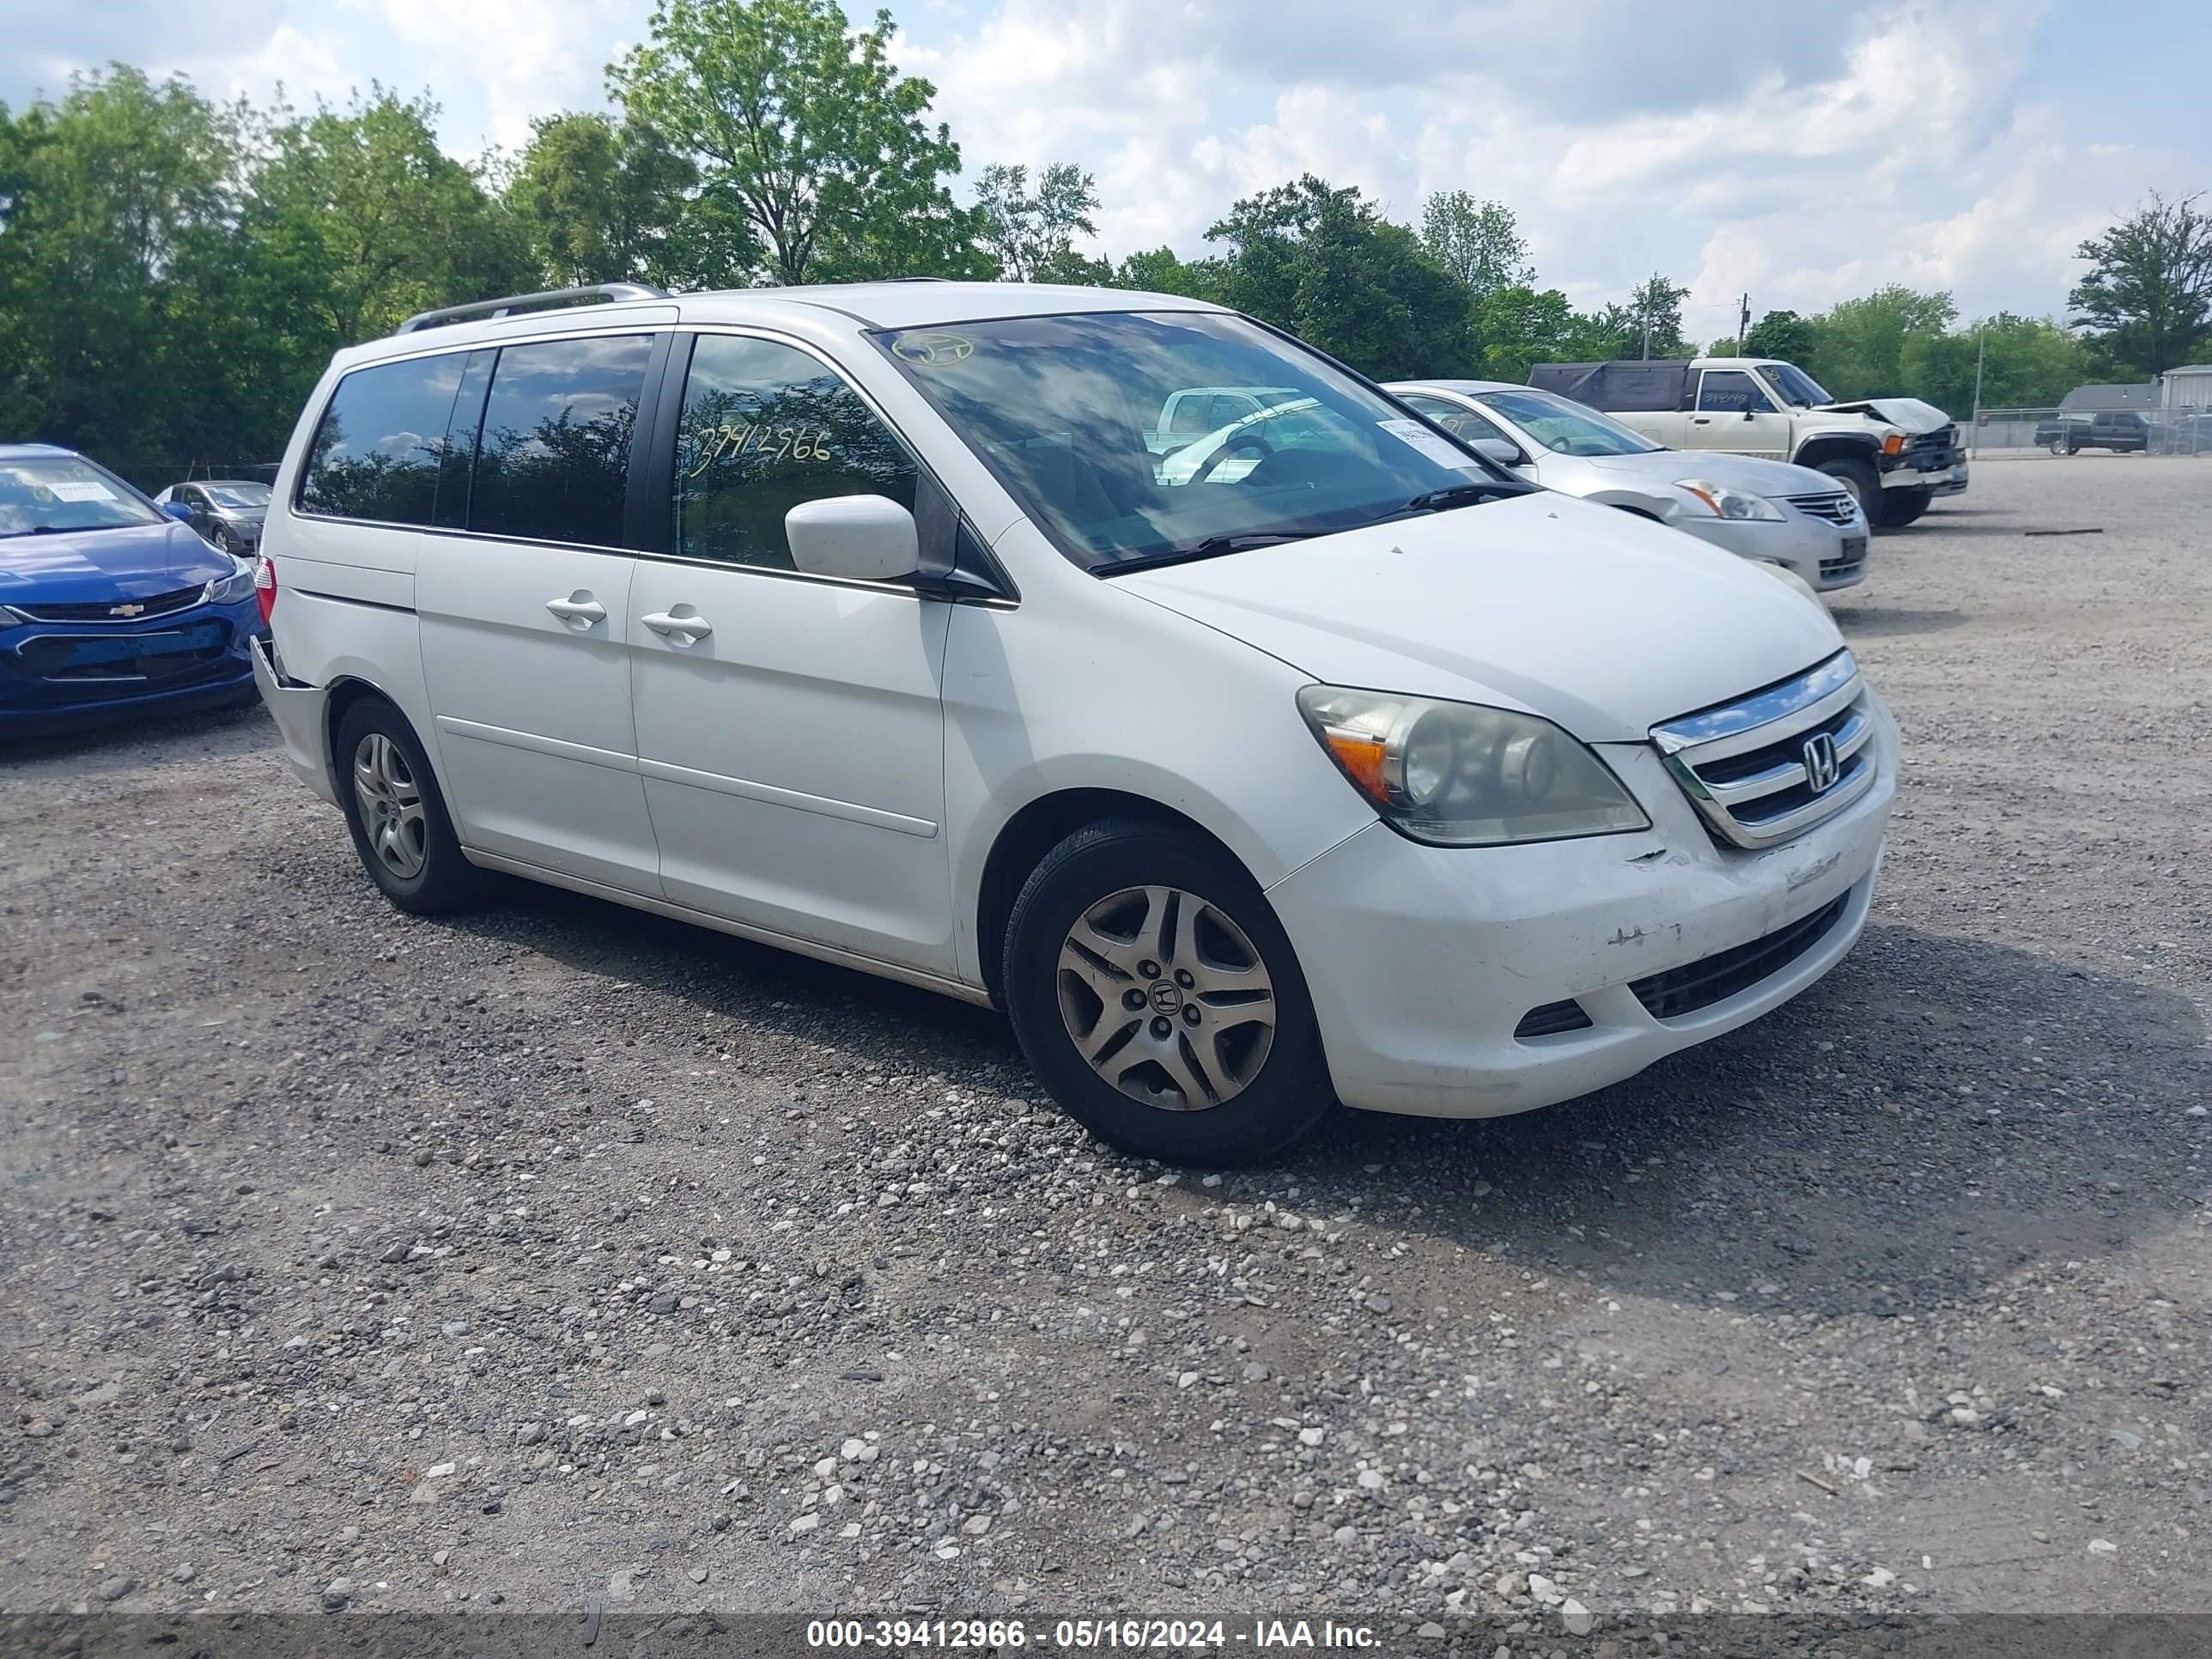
<point>514,302</point>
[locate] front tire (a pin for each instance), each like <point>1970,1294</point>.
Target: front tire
<point>398,819</point>
<point>1158,998</point>
<point>1901,507</point>
<point>1862,481</point>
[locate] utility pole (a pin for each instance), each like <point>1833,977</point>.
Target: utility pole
<point>1647,334</point>
<point>1981,350</point>
<point>1742,322</point>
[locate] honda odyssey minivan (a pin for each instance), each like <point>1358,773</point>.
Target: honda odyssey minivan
<point>865,622</point>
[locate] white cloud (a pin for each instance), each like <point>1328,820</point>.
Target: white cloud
<point>1802,155</point>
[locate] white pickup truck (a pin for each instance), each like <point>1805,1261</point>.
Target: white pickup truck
<point>1895,454</point>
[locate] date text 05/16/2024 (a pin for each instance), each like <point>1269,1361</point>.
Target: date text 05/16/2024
<point>1164,1635</point>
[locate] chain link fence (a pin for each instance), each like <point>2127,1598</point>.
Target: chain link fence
<point>2186,430</point>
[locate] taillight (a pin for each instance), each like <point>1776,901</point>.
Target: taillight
<point>264,585</point>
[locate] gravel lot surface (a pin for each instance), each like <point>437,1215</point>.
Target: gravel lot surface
<point>559,1254</point>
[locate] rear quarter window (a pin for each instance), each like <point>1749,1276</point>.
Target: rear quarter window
<point>376,451</point>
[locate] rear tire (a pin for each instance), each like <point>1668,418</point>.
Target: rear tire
<point>1862,481</point>
<point>1138,944</point>
<point>1901,507</point>
<point>398,819</point>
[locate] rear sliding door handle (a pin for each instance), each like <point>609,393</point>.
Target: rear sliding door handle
<point>687,627</point>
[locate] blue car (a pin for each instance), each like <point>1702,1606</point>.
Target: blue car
<point>108,603</point>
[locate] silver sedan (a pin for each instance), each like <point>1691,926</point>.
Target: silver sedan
<point>1767,511</point>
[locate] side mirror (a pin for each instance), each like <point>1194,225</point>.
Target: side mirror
<point>863,537</point>
<point>178,511</point>
<point>1748,411</point>
<point>1500,451</point>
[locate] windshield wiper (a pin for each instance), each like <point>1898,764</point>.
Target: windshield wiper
<point>1208,547</point>
<point>1451,496</point>
<point>1464,495</point>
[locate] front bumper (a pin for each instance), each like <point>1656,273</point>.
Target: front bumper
<point>1937,481</point>
<point>1825,556</point>
<point>301,712</point>
<point>1423,961</point>
<point>54,673</point>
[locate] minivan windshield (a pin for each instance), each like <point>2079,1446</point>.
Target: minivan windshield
<point>1795,386</point>
<point>1068,412</point>
<point>52,495</point>
<point>1567,428</point>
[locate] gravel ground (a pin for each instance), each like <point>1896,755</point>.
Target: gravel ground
<point>559,1253</point>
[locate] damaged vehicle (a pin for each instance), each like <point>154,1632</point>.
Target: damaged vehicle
<point>1789,518</point>
<point>1896,455</point>
<point>1334,764</point>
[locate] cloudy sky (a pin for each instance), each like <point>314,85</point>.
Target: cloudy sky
<point>1803,153</point>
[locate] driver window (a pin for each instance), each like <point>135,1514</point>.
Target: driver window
<point>765,426</point>
<point>1730,391</point>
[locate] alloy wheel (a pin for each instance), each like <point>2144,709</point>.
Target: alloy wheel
<point>390,805</point>
<point>1166,998</point>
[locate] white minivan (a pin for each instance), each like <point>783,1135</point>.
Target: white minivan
<point>864,620</point>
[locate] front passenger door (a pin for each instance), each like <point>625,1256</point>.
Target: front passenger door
<point>790,727</point>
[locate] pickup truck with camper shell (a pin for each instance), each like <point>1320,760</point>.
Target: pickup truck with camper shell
<point>1896,455</point>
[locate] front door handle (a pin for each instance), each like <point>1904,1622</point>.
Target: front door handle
<point>578,607</point>
<point>687,624</point>
<point>1701,420</point>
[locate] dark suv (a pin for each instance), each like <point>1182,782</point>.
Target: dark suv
<point>2109,429</point>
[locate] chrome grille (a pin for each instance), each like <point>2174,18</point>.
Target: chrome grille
<point>116,611</point>
<point>1771,766</point>
<point>1837,508</point>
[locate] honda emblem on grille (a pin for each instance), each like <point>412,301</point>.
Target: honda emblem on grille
<point>124,609</point>
<point>1821,767</point>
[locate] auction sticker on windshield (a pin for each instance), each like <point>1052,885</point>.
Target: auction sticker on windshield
<point>1440,449</point>
<point>86,490</point>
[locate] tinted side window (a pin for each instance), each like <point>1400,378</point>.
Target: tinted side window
<point>553,462</point>
<point>1732,390</point>
<point>764,428</point>
<point>376,450</point>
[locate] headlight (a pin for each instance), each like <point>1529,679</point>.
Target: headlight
<point>231,589</point>
<point>1460,775</point>
<point>1727,503</point>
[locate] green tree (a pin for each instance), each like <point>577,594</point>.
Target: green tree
<point>1032,235</point>
<point>361,218</point>
<point>2026,362</point>
<point>1781,334</point>
<point>598,201</point>
<point>804,131</point>
<point>1479,242</point>
<point>1653,318</point>
<point>1860,347</point>
<point>2147,297</point>
<point>1321,262</point>
<point>110,202</point>
<point>1159,271</point>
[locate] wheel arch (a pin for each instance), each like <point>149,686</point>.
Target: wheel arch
<point>1039,826</point>
<point>1837,445</point>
